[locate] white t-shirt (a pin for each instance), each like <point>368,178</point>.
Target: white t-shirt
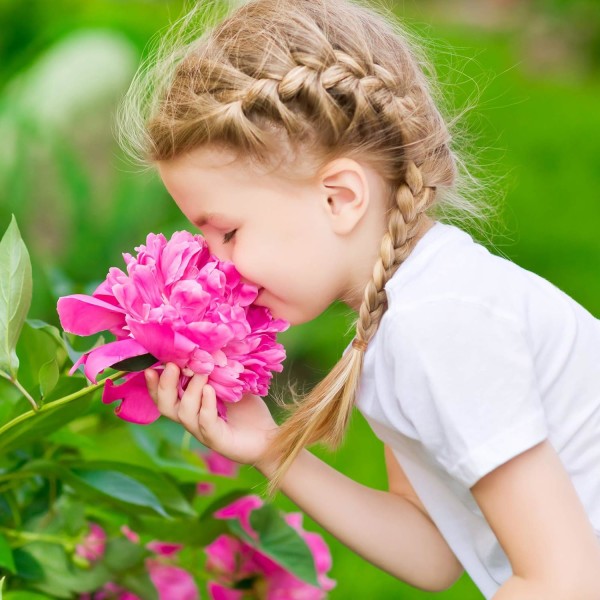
<point>475,361</point>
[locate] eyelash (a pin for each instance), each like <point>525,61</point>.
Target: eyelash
<point>227,237</point>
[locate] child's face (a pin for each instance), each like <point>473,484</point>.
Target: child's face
<point>278,234</point>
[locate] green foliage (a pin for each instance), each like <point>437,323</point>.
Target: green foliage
<point>60,473</point>
<point>15,296</point>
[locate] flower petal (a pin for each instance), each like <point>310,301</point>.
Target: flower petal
<point>172,582</point>
<point>136,405</point>
<point>105,356</point>
<point>85,315</point>
<point>220,592</point>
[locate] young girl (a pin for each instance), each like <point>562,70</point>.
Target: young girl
<point>303,139</point>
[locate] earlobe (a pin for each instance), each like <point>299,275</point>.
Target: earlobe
<point>346,193</point>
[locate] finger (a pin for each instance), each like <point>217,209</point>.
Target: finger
<point>208,414</point>
<point>151,377</point>
<point>167,394</point>
<point>190,403</point>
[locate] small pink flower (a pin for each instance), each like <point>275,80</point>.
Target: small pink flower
<point>110,591</point>
<point>171,581</point>
<point>93,545</point>
<point>219,464</point>
<point>180,304</point>
<point>205,488</point>
<point>164,548</point>
<point>232,560</point>
<point>132,536</point>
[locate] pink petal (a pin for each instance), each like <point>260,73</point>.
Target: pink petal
<point>105,356</point>
<point>93,546</point>
<point>136,405</point>
<point>219,464</point>
<point>132,536</point>
<point>241,509</point>
<point>161,341</point>
<point>220,592</point>
<point>85,315</point>
<point>205,488</point>
<point>221,554</point>
<point>172,582</point>
<point>164,548</point>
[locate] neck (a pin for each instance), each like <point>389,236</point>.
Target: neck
<point>354,297</point>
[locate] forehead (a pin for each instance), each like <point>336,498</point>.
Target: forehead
<point>209,181</point>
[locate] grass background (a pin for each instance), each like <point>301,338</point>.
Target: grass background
<point>533,66</point>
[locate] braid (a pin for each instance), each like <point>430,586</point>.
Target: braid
<point>412,198</point>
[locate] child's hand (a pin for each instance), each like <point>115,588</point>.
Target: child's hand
<point>245,436</point>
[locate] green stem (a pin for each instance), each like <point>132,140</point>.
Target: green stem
<point>185,440</point>
<point>31,536</point>
<point>23,391</point>
<point>64,400</point>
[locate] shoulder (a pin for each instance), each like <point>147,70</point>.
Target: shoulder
<point>450,320</point>
<point>453,266</point>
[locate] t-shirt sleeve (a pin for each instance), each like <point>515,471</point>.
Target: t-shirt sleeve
<point>464,377</point>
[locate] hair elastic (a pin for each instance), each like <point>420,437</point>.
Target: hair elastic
<point>359,344</point>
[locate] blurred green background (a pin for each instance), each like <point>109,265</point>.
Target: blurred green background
<point>532,66</point>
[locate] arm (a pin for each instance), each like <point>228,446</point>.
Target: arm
<point>533,508</point>
<point>384,528</point>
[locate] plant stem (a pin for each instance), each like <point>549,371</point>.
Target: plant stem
<point>64,400</point>
<point>31,536</point>
<point>23,391</point>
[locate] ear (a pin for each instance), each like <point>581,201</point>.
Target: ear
<point>345,191</point>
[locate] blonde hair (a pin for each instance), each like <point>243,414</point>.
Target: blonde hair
<point>326,78</point>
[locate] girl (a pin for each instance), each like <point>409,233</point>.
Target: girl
<point>303,138</point>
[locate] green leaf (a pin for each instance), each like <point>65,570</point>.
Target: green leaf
<point>122,555</point>
<point>48,376</point>
<point>168,494</point>
<point>25,595</point>
<point>37,425</point>
<point>28,567</point>
<point>121,487</point>
<point>36,347</point>
<point>165,452</point>
<point>15,294</point>
<point>140,584</point>
<point>61,579</point>
<point>135,363</point>
<point>6,555</point>
<point>280,541</point>
<point>96,486</point>
<point>193,532</point>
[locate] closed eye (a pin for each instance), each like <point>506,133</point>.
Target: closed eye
<point>227,237</point>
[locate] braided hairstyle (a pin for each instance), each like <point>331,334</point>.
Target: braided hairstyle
<point>315,79</point>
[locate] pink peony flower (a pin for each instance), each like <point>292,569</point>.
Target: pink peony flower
<point>93,545</point>
<point>233,560</point>
<point>178,303</point>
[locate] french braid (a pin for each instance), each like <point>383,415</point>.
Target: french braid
<point>326,78</point>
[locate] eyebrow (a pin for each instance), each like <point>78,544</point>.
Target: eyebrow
<point>205,217</point>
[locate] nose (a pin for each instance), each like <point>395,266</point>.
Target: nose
<point>221,251</point>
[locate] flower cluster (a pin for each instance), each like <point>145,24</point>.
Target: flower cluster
<point>237,564</point>
<point>177,303</point>
<point>238,570</point>
<point>169,580</point>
